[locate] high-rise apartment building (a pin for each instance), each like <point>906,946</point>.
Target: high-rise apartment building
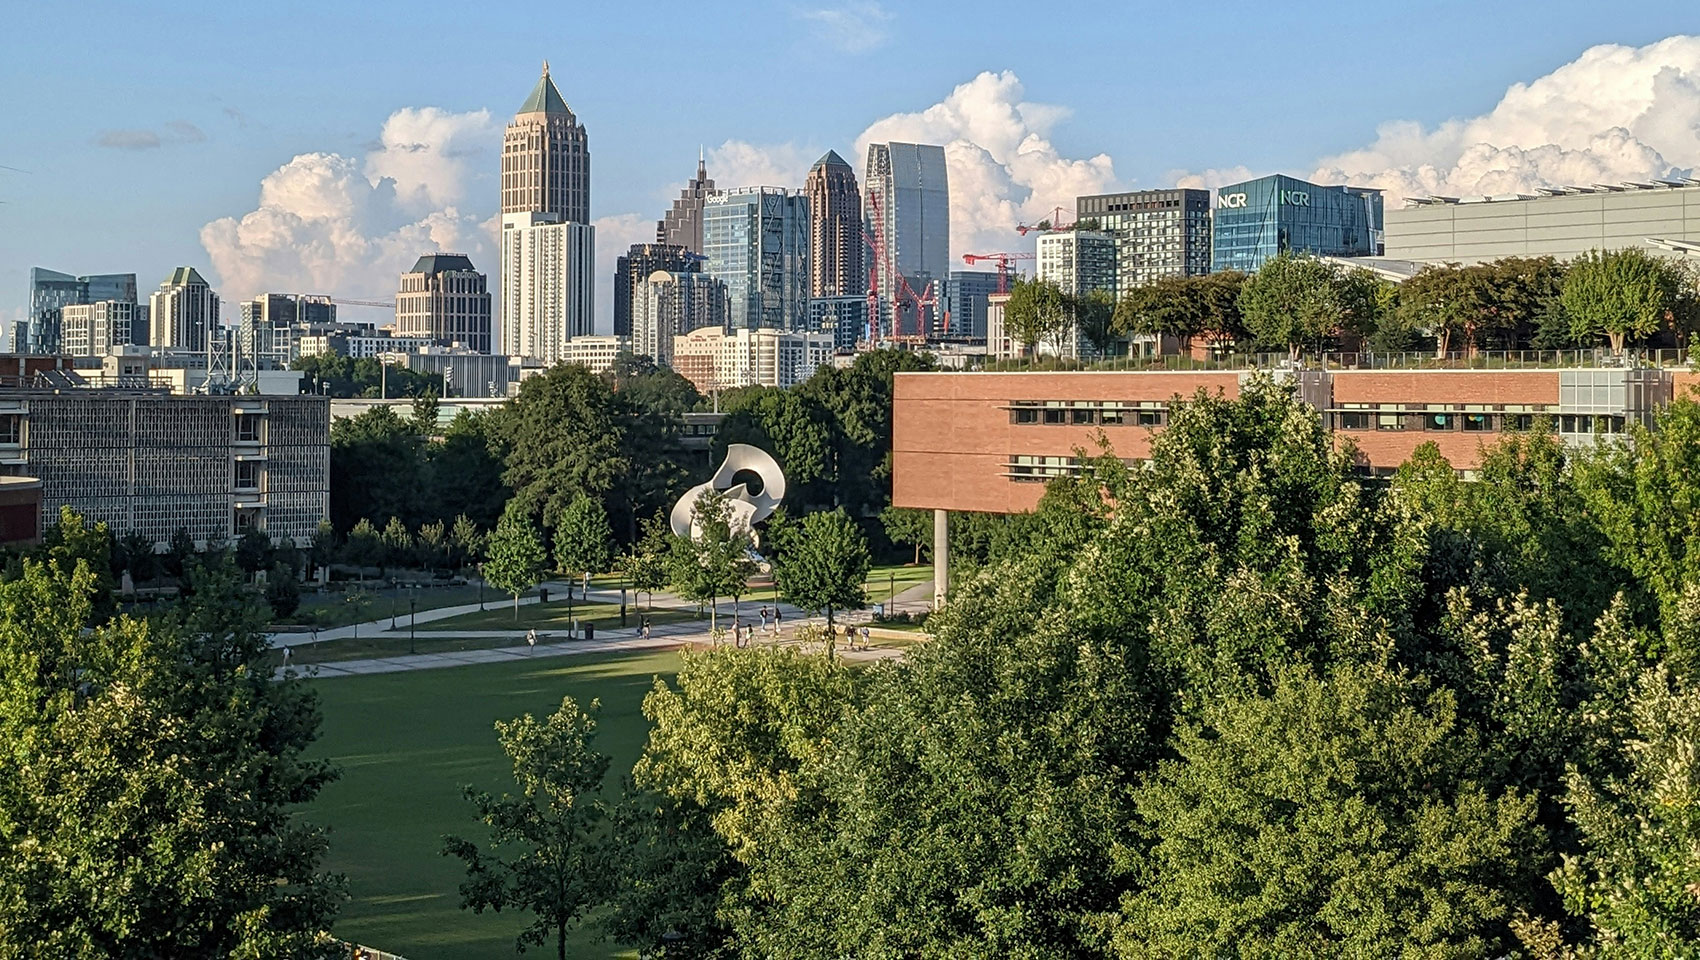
<point>835,229</point>
<point>50,290</point>
<point>908,207</point>
<point>96,329</point>
<point>1259,219</point>
<point>845,319</point>
<point>1158,233</point>
<point>682,226</point>
<point>669,304</point>
<point>271,324</point>
<point>965,298</point>
<point>183,312</point>
<point>444,298</point>
<point>633,269</point>
<point>546,157</point>
<point>548,284</point>
<point>757,243</point>
<point>1078,261</point>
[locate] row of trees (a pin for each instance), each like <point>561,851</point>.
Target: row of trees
<point>1304,303</point>
<point>346,377</point>
<point>1242,701</point>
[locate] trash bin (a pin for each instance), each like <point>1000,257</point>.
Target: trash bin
<point>543,595</point>
<point>589,630</point>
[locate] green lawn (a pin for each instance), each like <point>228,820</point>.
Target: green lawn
<point>553,616</point>
<point>334,608</point>
<point>406,742</point>
<point>881,580</point>
<point>303,655</point>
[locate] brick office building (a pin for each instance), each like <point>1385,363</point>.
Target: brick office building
<point>989,441</point>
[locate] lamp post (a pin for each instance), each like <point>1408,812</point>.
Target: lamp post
<point>480,568</point>
<point>412,612</point>
<point>622,599</point>
<point>394,585</point>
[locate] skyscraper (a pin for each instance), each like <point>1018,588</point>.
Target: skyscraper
<point>682,226</point>
<point>548,284</point>
<point>757,243</point>
<point>643,259</point>
<point>96,329</point>
<point>546,157</point>
<point>835,229</point>
<point>445,299</point>
<point>670,304</point>
<point>1159,233</point>
<point>50,290</point>
<point>908,208</point>
<point>183,312</point>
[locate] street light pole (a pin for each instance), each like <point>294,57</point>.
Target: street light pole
<point>412,611</point>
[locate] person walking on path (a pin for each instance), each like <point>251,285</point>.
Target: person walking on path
<point>644,627</point>
<point>531,639</point>
<point>776,620</point>
<point>867,636</point>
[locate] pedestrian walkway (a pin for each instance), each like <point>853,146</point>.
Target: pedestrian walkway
<point>608,640</point>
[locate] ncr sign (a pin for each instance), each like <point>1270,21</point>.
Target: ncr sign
<point>1237,201</point>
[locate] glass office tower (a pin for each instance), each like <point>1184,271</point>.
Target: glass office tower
<point>907,205</point>
<point>757,243</point>
<point>51,290</point>
<point>1258,219</point>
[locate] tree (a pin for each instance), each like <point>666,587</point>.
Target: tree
<point>397,543</point>
<point>645,563</point>
<point>858,404</point>
<point>794,427</point>
<point>910,526</point>
<point>1341,816</point>
<point>1094,316</point>
<point>516,560</point>
<point>715,562</point>
<point>1298,300</point>
<point>1635,879</point>
<point>558,865</point>
<point>824,564</point>
<point>466,543</point>
<point>376,465</point>
<point>179,552</point>
<point>151,777</point>
<point>583,543</point>
<point>253,550</point>
<point>433,542</point>
<point>322,550</point>
<point>283,594</point>
<point>564,437</point>
<point>1621,295</point>
<point>1436,299</point>
<point>364,547</point>
<point>1035,311</point>
<point>139,556</point>
<point>462,472</point>
<point>71,540</point>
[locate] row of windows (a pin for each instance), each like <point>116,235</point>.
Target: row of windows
<point>1476,422</point>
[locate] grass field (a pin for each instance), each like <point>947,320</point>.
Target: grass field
<point>406,743</point>
<point>553,616</point>
<point>333,608</point>
<point>882,579</point>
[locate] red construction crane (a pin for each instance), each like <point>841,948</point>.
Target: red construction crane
<point>901,290</point>
<point>1053,222</point>
<point>1003,261</point>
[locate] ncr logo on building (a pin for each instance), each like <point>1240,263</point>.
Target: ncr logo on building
<point>1295,198</point>
<point>1232,201</point>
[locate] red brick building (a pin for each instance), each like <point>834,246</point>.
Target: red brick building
<point>989,441</point>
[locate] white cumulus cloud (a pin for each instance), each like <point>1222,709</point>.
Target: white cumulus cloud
<point>615,235</point>
<point>1615,113</point>
<point>328,223</point>
<point>852,28</point>
<point>1003,168</point>
<point>739,163</point>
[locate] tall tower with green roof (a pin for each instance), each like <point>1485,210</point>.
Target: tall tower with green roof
<point>546,157</point>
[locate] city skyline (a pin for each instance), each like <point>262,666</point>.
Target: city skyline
<point>439,139</point>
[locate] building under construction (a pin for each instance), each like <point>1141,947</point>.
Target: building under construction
<point>153,462</point>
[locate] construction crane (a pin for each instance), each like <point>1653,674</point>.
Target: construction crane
<point>1003,260</point>
<point>1053,222</point>
<point>388,304</point>
<point>901,291</point>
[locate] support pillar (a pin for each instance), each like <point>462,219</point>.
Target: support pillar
<point>941,557</point>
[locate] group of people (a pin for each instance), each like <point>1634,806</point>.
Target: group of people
<point>852,633</point>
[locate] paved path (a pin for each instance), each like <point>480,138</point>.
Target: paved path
<point>611,640</point>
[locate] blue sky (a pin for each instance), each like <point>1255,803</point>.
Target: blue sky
<point>125,128</point>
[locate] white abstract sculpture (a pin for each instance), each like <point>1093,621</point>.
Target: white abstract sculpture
<point>746,509</point>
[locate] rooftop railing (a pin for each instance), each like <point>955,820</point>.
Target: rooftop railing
<point>1366,360</point>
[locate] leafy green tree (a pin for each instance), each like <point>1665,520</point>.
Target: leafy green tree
<point>139,556</point>
<point>70,540</point>
<point>1036,311</point>
<point>546,854</point>
<point>1094,316</point>
<point>515,559</point>
<point>824,564</point>
<point>563,437</point>
<point>1342,816</point>
<point>672,871</point>
<point>1437,300</point>
<point>909,526</point>
<point>180,553</point>
<point>376,463</point>
<point>253,550</point>
<point>858,403</point>
<point>322,550</point>
<point>651,387</point>
<point>463,472</point>
<point>715,562</point>
<point>1621,295</point>
<point>151,777</point>
<point>283,594</point>
<point>584,544</point>
<point>645,563</point>
<point>1635,878</point>
<point>433,544</point>
<point>466,541</point>
<point>1297,300</point>
<point>397,543</point>
<point>364,546</point>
